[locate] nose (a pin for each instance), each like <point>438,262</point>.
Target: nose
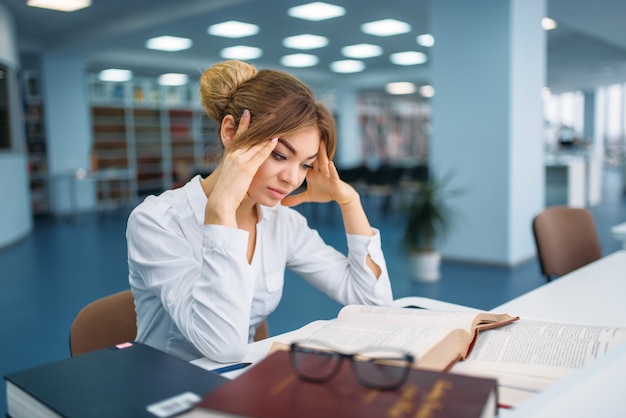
<point>292,175</point>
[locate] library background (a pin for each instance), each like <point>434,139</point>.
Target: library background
<point>134,138</point>
<point>148,138</point>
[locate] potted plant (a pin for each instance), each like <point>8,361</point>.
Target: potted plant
<point>428,220</point>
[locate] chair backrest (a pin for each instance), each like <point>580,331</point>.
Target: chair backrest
<point>566,239</point>
<point>112,320</point>
<point>103,323</point>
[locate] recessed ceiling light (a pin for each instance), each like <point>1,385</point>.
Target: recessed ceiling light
<point>115,74</point>
<point>233,29</point>
<point>386,27</point>
<point>427,90</point>
<point>401,87</point>
<point>299,60</point>
<point>347,66</point>
<point>408,58</point>
<point>316,11</point>
<point>548,24</point>
<point>60,5</point>
<point>361,51</point>
<point>241,52</point>
<point>306,41</point>
<point>426,40</point>
<point>169,43</point>
<point>173,79</point>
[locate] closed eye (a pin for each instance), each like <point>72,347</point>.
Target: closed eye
<point>277,156</point>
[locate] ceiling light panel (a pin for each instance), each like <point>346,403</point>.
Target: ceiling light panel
<point>548,24</point>
<point>347,66</point>
<point>233,29</point>
<point>169,43</point>
<point>241,52</point>
<point>426,40</point>
<point>306,41</point>
<point>60,5</point>
<point>385,27</point>
<point>401,87</point>
<point>361,51</point>
<point>173,79</point>
<point>408,58</point>
<point>115,75</point>
<point>427,90</point>
<point>299,60</point>
<point>316,11</point>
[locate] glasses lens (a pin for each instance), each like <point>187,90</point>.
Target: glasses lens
<point>314,362</point>
<point>382,369</point>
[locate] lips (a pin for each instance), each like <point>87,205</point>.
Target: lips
<point>277,193</point>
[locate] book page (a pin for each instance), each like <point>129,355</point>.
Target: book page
<point>532,353</point>
<point>356,335</point>
<point>408,316</point>
<point>436,338</point>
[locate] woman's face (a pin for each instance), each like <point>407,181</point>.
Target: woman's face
<point>286,168</point>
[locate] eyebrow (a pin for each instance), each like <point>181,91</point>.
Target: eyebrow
<point>293,150</point>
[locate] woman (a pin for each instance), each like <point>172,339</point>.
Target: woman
<point>206,261</point>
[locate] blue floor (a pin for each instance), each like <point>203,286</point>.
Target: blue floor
<point>66,263</point>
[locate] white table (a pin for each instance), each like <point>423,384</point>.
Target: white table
<point>593,295</point>
<point>619,233</point>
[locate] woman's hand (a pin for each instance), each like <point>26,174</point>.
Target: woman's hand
<point>236,172</point>
<point>323,184</point>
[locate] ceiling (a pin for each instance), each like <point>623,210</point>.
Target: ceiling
<point>588,48</point>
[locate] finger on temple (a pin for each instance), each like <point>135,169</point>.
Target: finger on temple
<point>244,122</point>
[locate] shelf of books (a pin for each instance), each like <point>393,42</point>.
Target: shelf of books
<point>110,157</point>
<point>36,144</point>
<point>153,131</point>
<point>394,131</point>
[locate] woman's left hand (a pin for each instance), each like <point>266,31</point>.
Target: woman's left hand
<point>323,184</point>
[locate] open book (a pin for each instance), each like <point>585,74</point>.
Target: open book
<point>438,339</point>
<point>529,355</point>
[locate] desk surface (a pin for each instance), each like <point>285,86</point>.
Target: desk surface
<point>592,295</point>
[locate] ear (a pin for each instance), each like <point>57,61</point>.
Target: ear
<point>228,129</point>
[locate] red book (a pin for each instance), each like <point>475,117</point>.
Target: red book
<point>270,389</point>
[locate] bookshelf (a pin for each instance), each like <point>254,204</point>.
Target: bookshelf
<point>394,130</point>
<point>154,132</point>
<point>36,144</point>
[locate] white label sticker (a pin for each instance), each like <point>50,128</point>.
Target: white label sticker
<point>174,405</point>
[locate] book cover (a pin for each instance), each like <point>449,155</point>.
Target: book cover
<point>113,382</point>
<point>270,389</point>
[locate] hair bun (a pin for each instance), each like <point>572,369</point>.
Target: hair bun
<point>219,83</point>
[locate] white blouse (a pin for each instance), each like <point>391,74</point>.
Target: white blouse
<point>195,292</point>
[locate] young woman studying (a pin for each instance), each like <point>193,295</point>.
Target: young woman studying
<point>207,260</point>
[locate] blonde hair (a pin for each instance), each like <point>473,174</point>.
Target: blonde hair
<point>278,102</point>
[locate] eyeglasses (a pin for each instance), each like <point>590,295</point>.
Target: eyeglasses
<point>375,368</point>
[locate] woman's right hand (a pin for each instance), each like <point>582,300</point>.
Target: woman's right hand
<point>236,171</point>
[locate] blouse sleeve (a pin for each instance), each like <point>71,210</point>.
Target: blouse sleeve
<point>346,279</point>
<point>207,291</point>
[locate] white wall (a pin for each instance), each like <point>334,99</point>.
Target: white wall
<point>68,130</point>
<point>15,210</point>
<point>488,68</point>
